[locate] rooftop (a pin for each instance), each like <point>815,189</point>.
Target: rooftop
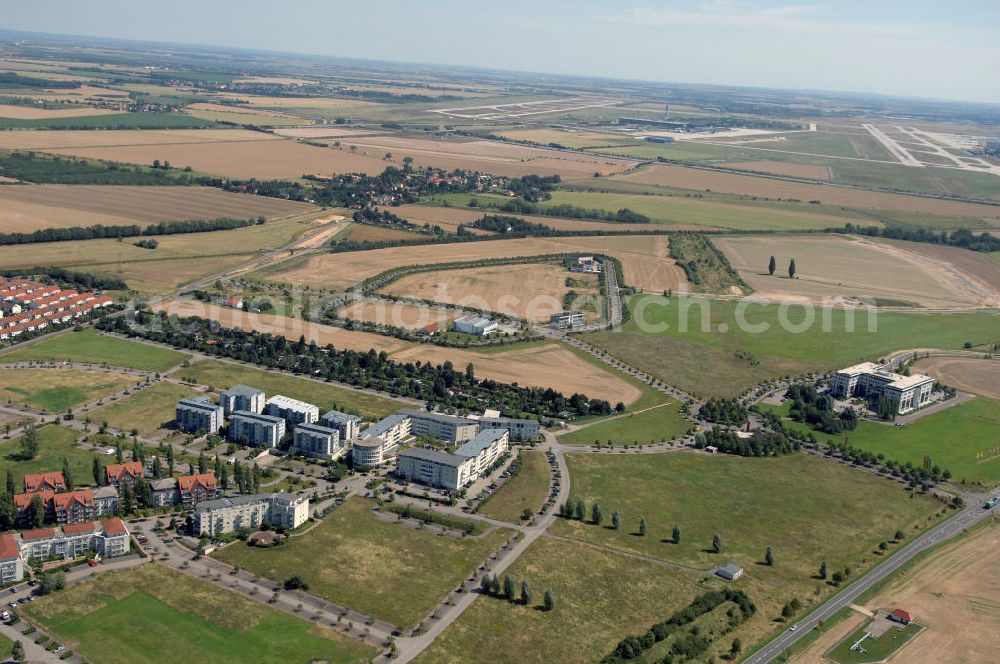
<point>437,417</point>
<point>385,424</point>
<point>8,548</point>
<point>282,401</point>
<point>473,319</point>
<point>317,429</point>
<point>201,402</point>
<point>482,441</point>
<point>337,416</point>
<point>232,501</point>
<point>434,456</point>
<point>114,526</point>
<point>243,391</point>
<point>259,417</point>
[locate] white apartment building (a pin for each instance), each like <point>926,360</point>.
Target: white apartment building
<point>372,452</point>
<point>317,441</point>
<point>241,397</point>
<point>291,410</point>
<point>256,429</point>
<point>224,515</point>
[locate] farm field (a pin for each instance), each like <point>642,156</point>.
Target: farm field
<point>114,121</point>
<point>146,410</point>
<point>833,268</point>
<point>645,260</point>
<point>398,314</point>
<point>323,131</point>
<point>974,375</point>
<point>699,179</point>
<point>72,139</point>
<point>129,616</point>
<point>379,581</point>
<point>22,112</point>
<point>951,591</point>
<point>220,375</point>
<point>450,218</point>
<point>710,214</point>
<point>734,497</point>
<point>526,490</point>
<point>646,425</point>
<point>89,346</point>
<point>367,233</point>
<point>810,171</point>
<point>29,208</point>
<point>55,443</point>
<point>532,291</point>
<point>55,390</point>
<point>977,265</point>
<point>569,139</point>
<point>752,345</point>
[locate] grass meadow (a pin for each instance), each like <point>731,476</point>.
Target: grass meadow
<point>55,390</point>
<point>526,490</point>
<point>55,443</point>
<point>89,346</point>
<point>146,410</point>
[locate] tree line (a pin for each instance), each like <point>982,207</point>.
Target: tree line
<point>68,278</point>
<point>101,231</point>
<point>961,237</point>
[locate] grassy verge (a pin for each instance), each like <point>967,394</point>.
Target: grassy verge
<point>55,443</point>
<point>526,490</point>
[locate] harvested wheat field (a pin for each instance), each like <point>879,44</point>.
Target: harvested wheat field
<point>975,264</point>
<point>53,139</point>
<point>298,102</point>
<point>29,208</point>
<point>971,374</point>
<point>324,132</point>
<point>548,365</point>
<point>953,592</point>
<point>533,291</point>
<point>702,179</point>
<point>398,314</point>
<point>232,108</point>
<point>811,171</point>
<point>644,259</point>
<point>19,112</point>
<point>449,218</point>
<point>367,233</point>
<point>837,267</point>
<point>267,159</point>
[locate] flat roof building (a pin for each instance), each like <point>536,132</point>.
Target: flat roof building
<point>434,468</point>
<point>291,410</point>
<point>224,515</point>
<point>520,429</point>
<point>372,451</point>
<point>256,429</point>
<point>566,319</point>
<point>318,441</point>
<point>473,324</point>
<point>348,425</point>
<point>241,397</point>
<point>199,414</point>
<point>875,382</point>
<point>392,429</point>
<point>448,428</point>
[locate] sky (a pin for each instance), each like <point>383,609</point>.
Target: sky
<point>916,48</point>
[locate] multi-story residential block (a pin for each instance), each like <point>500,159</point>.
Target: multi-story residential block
<point>291,410</point>
<point>348,425</point>
<point>106,500</point>
<point>194,489</point>
<point>874,381</point>
<point>241,397</point>
<point>36,482</point>
<point>108,537</point>
<point>198,414</point>
<point>448,428</point>
<point>62,508</point>
<point>118,474</point>
<point>164,492</point>
<point>256,429</point>
<point>484,450</point>
<point>224,515</point>
<point>318,441</point>
<point>520,429</point>
<point>392,430</point>
<point>434,468</point>
<point>371,451</point>
<point>11,563</point>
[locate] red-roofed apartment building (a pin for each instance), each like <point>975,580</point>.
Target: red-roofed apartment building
<point>37,482</point>
<point>109,538</point>
<point>119,473</point>
<point>195,488</point>
<point>11,564</point>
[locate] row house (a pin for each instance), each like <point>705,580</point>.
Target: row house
<point>38,482</point>
<point>62,508</point>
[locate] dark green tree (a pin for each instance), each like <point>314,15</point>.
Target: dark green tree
<point>677,534</point>
<point>616,520</point>
<point>549,600</point>
<point>791,269</point>
<point>29,442</point>
<point>717,543</point>
<point>642,526</point>
<point>769,556</point>
<point>485,584</point>
<point>526,594</point>
<point>35,515</point>
<point>596,514</point>
<point>98,471</point>
<point>508,588</point>
<point>17,652</point>
<point>170,460</point>
<point>772,266</point>
<point>11,488</point>
<point>823,570</point>
<point>202,463</point>
<point>581,510</point>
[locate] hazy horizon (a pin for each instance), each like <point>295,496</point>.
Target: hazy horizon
<point>903,49</point>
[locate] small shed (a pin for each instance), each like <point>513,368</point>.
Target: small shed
<point>900,616</point>
<point>730,572</point>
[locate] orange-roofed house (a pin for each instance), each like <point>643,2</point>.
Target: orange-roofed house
<point>113,539</point>
<point>119,473</point>
<point>37,482</point>
<point>195,488</point>
<point>61,508</point>
<point>11,564</point>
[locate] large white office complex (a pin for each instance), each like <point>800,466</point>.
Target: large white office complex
<point>874,381</point>
<point>198,414</point>
<point>224,515</point>
<point>256,429</point>
<point>291,410</point>
<point>318,441</point>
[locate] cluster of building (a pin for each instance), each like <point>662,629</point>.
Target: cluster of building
<point>224,515</point>
<point>566,319</point>
<point>107,538</point>
<point>28,306</point>
<point>877,383</point>
<point>586,264</point>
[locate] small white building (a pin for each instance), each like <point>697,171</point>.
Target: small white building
<point>477,325</point>
<point>730,572</point>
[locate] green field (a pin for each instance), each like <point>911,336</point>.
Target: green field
<point>147,410</point>
<point>55,390</point>
<point>876,650</point>
<point>526,490</point>
<point>55,443</point>
<point>654,424</point>
<point>139,615</point>
<point>223,375</point>
<point>699,346</point>
<point>803,506</point>
<point>116,121</point>
<point>89,346</point>
<point>380,568</point>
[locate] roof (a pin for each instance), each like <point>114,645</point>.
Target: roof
<point>483,440</point>
<point>129,468</point>
<point>243,391</point>
<point>474,320</point>
<point>339,417</point>
<point>38,534</point>
<point>113,526</point>
<point>384,425</point>
<point>282,401</point>
<point>433,456</point>
<point>437,417</point>
<point>369,442</point>
<point>78,528</point>
<point>257,417</point>
<point>192,482</point>
<point>38,481</point>
<point>317,429</point>
<point>900,613</point>
<point>232,501</point>
<point>729,569</point>
<point>199,403</point>
<point>8,548</point>
<point>66,500</point>
<point>165,484</point>
<point>864,367</point>
<point>105,492</point>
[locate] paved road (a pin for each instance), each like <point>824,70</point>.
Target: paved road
<point>955,525</point>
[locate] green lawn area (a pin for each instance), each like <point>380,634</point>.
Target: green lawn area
<point>140,614</point>
<point>379,568</point>
<point>805,507</point>
<point>89,346</point>
<point>55,390</point>
<point>223,375</point>
<point>118,120</point>
<point>655,424</point>
<point>147,410</point>
<point>5,646</point>
<point>876,649</point>
<point>54,444</point>
<point>720,348</point>
<point>526,490</point>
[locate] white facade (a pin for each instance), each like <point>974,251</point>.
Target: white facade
<point>224,515</point>
<point>872,380</point>
<point>371,452</point>
<point>241,397</point>
<point>258,430</point>
<point>473,324</point>
<point>198,414</point>
<point>291,410</point>
<point>318,441</point>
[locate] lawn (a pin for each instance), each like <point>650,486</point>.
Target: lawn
<point>89,346</point>
<point>805,507</point>
<point>133,616</point>
<point>55,443</point>
<point>715,348</point>
<point>379,568</point>
<point>146,410</point>
<point>876,650</point>
<point>654,424</point>
<point>223,375</point>
<point>55,390</point>
<point>526,490</point>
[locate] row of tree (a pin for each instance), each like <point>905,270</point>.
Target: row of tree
<point>101,231</point>
<point>761,443</point>
<point>490,585</point>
